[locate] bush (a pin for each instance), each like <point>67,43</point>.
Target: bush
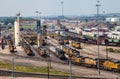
<point>113,50</point>
<point>110,50</point>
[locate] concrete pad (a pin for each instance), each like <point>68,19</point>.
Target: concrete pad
<point>20,51</point>
<point>5,50</point>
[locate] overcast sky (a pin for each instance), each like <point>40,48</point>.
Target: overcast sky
<point>53,7</point>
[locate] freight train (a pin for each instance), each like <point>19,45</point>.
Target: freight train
<point>27,48</point>
<point>76,58</point>
<point>90,36</point>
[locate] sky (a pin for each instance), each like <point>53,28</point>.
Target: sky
<point>53,7</point>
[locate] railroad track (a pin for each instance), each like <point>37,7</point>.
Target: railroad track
<point>87,53</point>
<point>35,75</point>
<point>53,60</point>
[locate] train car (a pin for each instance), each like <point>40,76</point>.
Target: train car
<point>113,65</point>
<point>44,43</point>
<point>31,42</point>
<point>69,51</point>
<point>77,59</point>
<point>92,62</point>
<point>9,42</point>
<point>12,48</point>
<point>42,51</point>
<point>65,49</point>
<point>113,42</point>
<point>54,35</point>
<point>28,50</point>
<point>76,44</point>
<point>63,40</point>
<point>66,41</point>
<point>60,53</point>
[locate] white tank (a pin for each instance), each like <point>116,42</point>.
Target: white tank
<point>17,32</point>
<point>63,33</point>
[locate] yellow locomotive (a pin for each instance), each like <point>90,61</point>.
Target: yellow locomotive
<point>69,51</point>
<point>42,51</point>
<point>112,65</point>
<point>54,35</point>
<point>12,48</point>
<point>77,59</point>
<point>76,44</point>
<point>66,41</point>
<point>63,41</point>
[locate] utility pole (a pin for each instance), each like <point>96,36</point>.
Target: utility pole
<point>98,65</point>
<point>62,16</point>
<point>0,31</point>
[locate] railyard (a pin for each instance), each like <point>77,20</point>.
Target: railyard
<point>56,63</point>
<point>60,50</point>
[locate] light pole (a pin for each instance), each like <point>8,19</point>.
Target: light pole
<point>62,7</point>
<point>98,60</point>
<point>70,63</point>
<point>13,67</point>
<point>106,43</point>
<point>49,65</point>
<point>38,15</point>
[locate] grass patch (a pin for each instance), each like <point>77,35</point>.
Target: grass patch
<point>113,50</point>
<point>110,49</point>
<point>41,70</point>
